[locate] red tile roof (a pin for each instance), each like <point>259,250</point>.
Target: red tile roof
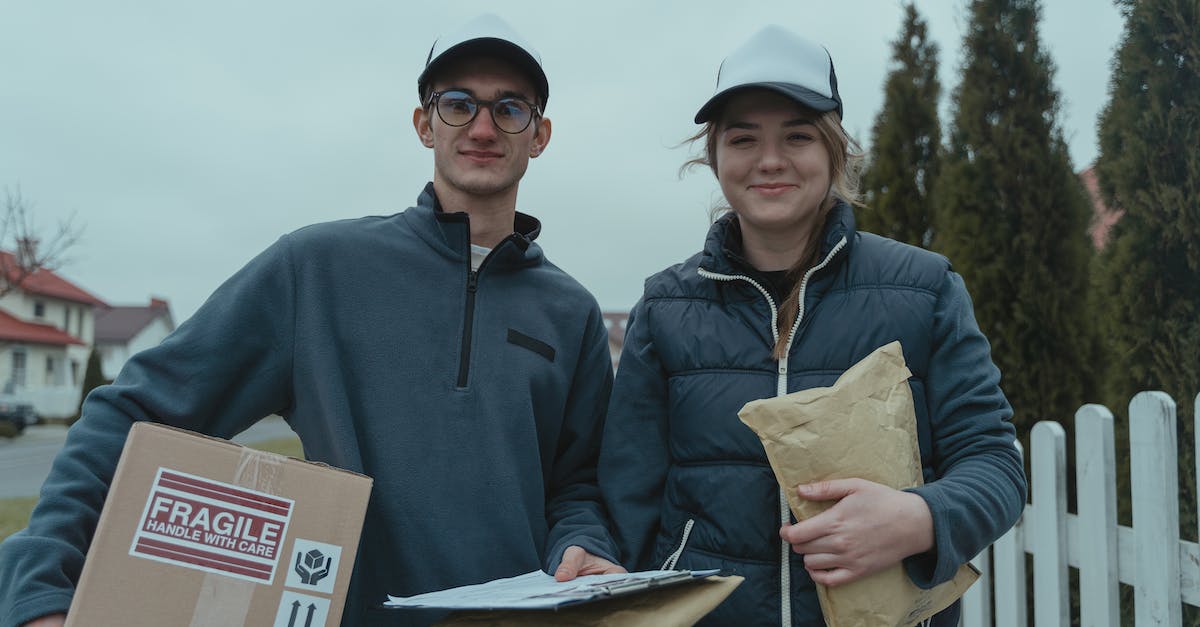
<point>1103,218</point>
<point>16,330</point>
<point>122,323</point>
<point>47,283</point>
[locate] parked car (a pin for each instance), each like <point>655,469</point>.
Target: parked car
<point>15,415</point>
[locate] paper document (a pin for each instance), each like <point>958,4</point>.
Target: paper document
<point>537,590</point>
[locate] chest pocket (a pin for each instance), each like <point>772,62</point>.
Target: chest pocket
<point>531,343</point>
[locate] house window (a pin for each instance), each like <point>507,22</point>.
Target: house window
<point>74,371</point>
<point>67,319</point>
<point>18,366</point>
<point>39,309</point>
<point>49,370</point>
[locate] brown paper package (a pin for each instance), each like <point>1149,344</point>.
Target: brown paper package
<point>863,426</point>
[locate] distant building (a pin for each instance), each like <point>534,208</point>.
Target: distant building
<point>1103,218</point>
<point>47,325</point>
<point>615,321</point>
<point>122,331</point>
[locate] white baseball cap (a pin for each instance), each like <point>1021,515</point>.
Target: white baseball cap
<point>781,61</point>
<point>486,35</point>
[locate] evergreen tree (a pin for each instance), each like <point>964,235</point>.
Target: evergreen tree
<point>905,141</point>
<point>1011,214</point>
<point>1148,279</point>
<point>93,377</point>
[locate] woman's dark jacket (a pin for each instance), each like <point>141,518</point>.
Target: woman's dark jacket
<point>677,462</point>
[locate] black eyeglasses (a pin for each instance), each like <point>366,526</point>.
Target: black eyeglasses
<point>458,108</point>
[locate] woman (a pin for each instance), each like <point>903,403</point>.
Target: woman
<point>785,296</point>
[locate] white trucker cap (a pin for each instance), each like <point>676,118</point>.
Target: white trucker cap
<point>486,35</point>
<point>781,61</point>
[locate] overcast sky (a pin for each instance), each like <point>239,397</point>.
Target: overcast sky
<point>185,137</point>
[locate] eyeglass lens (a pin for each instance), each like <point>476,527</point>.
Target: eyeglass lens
<point>458,108</point>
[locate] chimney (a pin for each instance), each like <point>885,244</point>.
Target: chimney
<point>27,252</point>
<point>158,303</point>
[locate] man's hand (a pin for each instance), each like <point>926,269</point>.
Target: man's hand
<point>577,562</point>
<point>871,527</point>
<point>50,620</point>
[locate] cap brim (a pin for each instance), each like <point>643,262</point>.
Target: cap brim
<point>802,95</point>
<point>495,48</point>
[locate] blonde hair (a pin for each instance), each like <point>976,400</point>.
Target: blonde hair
<point>845,165</point>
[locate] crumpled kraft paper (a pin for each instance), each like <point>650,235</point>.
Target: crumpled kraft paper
<point>863,426</point>
<point>671,606</point>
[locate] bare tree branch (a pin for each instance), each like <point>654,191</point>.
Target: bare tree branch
<point>30,251</point>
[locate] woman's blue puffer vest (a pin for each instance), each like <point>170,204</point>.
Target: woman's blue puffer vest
<point>677,462</point>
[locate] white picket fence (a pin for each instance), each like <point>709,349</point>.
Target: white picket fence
<point>1163,569</point>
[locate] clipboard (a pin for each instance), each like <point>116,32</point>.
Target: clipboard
<point>539,591</point>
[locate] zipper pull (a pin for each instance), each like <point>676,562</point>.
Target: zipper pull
<point>782,366</point>
<point>472,281</point>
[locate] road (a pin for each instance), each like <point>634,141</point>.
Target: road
<point>25,460</point>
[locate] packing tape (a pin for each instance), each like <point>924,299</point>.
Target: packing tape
<point>225,601</point>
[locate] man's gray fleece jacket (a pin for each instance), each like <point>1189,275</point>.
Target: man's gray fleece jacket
<point>475,400</point>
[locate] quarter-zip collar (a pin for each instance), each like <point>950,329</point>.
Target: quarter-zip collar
<point>450,234</point>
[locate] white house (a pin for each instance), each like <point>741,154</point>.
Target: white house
<point>122,331</point>
<point>47,325</point>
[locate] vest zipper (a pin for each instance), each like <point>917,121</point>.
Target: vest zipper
<point>673,558</point>
<point>785,512</point>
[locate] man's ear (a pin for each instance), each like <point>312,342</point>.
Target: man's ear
<point>541,137</point>
<point>423,125</point>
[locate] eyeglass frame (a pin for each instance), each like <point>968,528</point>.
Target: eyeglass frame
<point>434,97</point>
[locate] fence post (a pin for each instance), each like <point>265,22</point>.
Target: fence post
<point>1008,569</point>
<point>1008,557</point>
<point>977,603</point>
<point>1096,490</point>
<point>1154,481</point>
<point>1051,605</point>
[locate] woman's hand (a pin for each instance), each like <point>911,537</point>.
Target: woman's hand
<point>870,528</point>
<point>50,620</point>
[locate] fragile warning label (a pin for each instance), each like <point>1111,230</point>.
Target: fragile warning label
<point>216,527</point>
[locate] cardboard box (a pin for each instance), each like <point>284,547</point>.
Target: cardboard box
<point>201,532</point>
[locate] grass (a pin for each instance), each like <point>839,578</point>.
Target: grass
<point>14,513</point>
<point>289,446</point>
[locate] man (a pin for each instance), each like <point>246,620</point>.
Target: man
<point>435,350</point>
